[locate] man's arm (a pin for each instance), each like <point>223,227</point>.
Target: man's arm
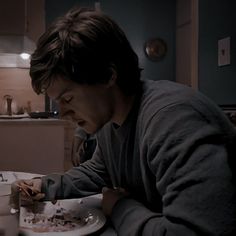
<point>192,177</point>
<point>84,180</point>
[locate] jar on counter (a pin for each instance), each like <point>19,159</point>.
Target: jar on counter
<point>8,106</point>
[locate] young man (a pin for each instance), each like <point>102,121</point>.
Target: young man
<point>164,152</point>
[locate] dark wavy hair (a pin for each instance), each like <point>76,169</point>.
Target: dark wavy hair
<point>84,46</point>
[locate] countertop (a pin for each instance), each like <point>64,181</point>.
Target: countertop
<point>32,121</point>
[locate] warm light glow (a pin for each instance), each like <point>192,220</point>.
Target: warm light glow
<point>25,56</point>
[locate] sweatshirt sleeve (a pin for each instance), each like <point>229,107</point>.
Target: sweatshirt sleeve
<point>84,180</point>
<point>187,153</point>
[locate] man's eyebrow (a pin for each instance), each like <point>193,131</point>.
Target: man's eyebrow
<point>61,94</point>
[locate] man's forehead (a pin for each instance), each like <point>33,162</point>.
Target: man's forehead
<point>58,87</point>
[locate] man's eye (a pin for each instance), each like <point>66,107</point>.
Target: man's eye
<point>67,99</point>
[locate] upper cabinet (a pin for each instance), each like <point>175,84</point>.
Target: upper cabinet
<point>12,17</point>
<point>35,19</point>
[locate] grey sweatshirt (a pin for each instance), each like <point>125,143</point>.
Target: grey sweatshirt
<point>174,154</point>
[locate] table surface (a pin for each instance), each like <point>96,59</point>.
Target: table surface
<point>93,201</point>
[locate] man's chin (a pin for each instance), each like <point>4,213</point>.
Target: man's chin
<point>89,129</point>
<point>86,127</point>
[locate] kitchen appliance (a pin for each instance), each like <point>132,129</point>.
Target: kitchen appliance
<point>43,114</point>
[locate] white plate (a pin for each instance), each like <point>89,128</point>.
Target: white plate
<point>59,220</point>
<point>14,116</point>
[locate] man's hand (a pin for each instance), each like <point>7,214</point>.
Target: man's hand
<point>25,192</point>
<point>110,197</point>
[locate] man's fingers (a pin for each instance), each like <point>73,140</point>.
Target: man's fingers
<point>26,201</point>
<point>38,196</point>
<point>54,201</point>
<point>115,189</point>
<point>25,192</point>
<point>105,189</point>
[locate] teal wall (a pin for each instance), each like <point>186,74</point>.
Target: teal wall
<point>144,19</point>
<point>141,20</point>
<point>217,20</point>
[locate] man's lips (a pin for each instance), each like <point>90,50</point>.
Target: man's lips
<point>80,122</point>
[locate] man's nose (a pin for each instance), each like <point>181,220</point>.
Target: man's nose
<point>65,113</point>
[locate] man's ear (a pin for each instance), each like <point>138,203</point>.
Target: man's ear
<point>113,78</point>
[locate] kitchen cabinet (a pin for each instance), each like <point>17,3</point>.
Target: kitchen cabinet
<point>22,17</point>
<point>12,17</point>
<point>35,145</point>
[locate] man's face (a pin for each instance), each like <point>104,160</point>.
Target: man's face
<point>90,106</point>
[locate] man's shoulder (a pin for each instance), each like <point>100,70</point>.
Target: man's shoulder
<point>165,87</point>
<point>162,93</point>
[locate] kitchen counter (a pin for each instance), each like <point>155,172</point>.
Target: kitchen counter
<point>31,121</point>
<point>35,145</point>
